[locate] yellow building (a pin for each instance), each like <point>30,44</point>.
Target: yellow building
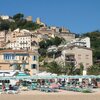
<point>19,59</point>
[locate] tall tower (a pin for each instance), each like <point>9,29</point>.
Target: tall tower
<point>38,21</point>
<point>29,18</point>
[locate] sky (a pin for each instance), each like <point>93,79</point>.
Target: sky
<point>79,16</point>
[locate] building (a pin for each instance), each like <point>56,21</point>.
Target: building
<point>46,31</point>
<point>4,17</point>
<point>19,59</point>
<point>38,21</point>
<point>67,36</point>
<point>8,36</point>
<point>29,18</point>
<point>14,34</point>
<point>77,55</point>
<point>56,29</point>
<point>64,30</point>
<point>85,42</point>
<point>23,42</point>
<point>11,45</point>
<point>2,38</point>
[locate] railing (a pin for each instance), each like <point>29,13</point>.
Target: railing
<point>14,61</point>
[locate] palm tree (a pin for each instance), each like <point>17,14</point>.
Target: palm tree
<point>53,67</point>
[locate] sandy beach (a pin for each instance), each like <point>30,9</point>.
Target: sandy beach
<point>62,95</point>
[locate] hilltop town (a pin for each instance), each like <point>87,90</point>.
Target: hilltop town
<point>34,47</point>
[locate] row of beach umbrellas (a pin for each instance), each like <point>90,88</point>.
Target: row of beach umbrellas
<point>50,77</point>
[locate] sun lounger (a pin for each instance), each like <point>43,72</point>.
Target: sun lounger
<point>12,92</point>
<point>46,89</point>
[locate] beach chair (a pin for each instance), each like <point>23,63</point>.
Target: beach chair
<point>12,92</point>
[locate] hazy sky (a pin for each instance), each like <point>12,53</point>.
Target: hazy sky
<point>77,15</point>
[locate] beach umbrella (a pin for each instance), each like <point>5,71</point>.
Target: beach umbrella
<point>93,76</point>
<point>76,76</point>
<point>7,78</point>
<point>98,76</point>
<point>35,77</point>
<point>48,77</point>
<point>53,86</point>
<point>22,75</point>
<point>62,76</point>
<point>89,76</point>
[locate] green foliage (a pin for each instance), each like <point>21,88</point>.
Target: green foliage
<point>95,43</point>
<point>4,25</point>
<point>56,41</point>
<point>18,67</point>
<point>94,70</point>
<point>42,51</point>
<point>86,91</point>
<point>18,16</point>
<point>68,69</point>
<point>53,67</point>
<point>42,44</point>
<point>19,22</point>
<point>49,42</point>
<point>41,58</point>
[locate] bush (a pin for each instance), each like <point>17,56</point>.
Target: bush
<point>86,91</point>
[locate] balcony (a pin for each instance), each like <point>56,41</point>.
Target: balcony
<point>14,61</point>
<point>70,58</point>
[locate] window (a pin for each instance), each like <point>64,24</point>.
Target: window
<point>9,56</point>
<point>87,56</point>
<point>33,66</point>
<point>87,64</point>
<point>79,56</point>
<point>34,58</point>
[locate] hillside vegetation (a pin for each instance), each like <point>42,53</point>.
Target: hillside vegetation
<point>95,43</point>
<point>18,21</point>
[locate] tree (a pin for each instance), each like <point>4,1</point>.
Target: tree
<point>18,16</point>
<point>18,67</point>
<point>53,67</point>
<point>71,68</point>
<point>4,25</point>
<point>56,41</point>
<point>42,51</point>
<point>94,70</point>
<point>42,44</point>
<point>95,43</point>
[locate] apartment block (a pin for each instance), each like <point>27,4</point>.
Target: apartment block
<point>77,55</point>
<point>85,42</point>
<point>12,59</point>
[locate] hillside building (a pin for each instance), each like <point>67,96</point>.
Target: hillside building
<point>19,59</point>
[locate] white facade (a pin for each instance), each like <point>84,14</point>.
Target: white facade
<point>2,36</point>
<point>23,42</point>
<point>85,42</point>
<point>4,17</point>
<point>12,45</point>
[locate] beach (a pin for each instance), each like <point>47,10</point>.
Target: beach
<point>62,95</point>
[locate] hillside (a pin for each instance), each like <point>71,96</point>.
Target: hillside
<point>18,21</point>
<point>95,43</point>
